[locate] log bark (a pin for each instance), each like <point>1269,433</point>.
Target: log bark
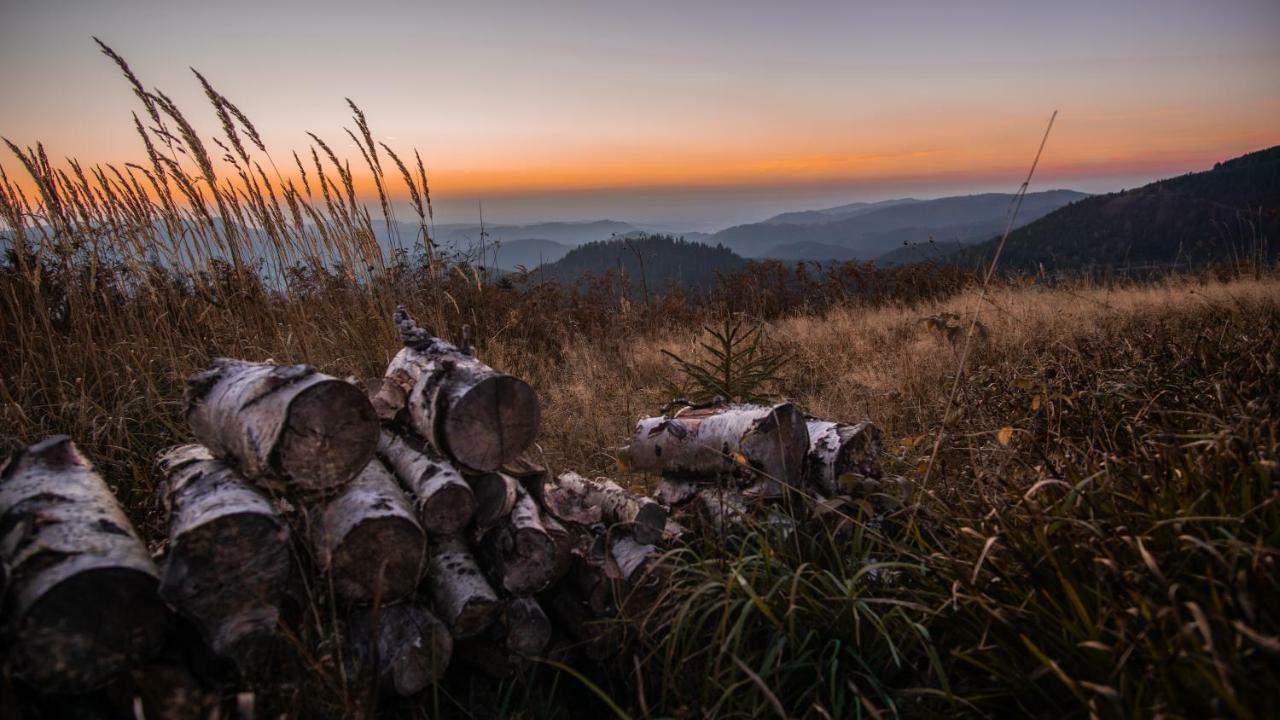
<point>523,554</point>
<point>495,495</point>
<point>839,449</point>
<point>83,601</point>
<point>461,595</point>
<point>722,508</point>
<point>648,517</point>
<point>444,499</point>
<point>566,540</point>
<point>528,628</point>
<point>468,411</point>
<point>368,540</point>
<point>404,646</point>
<point>674,492</point>
<point>631,556</point>
<point>315,431</point>
<point>766,444</point>
<point>227,563</point>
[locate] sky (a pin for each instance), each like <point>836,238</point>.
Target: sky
<point>686,115</point>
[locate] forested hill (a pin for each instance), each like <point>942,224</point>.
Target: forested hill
<point>655,260</point>
<point>1231,212</point>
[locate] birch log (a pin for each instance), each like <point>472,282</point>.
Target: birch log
<point>722,508</point>
<point>631,556</point>
<point>368,541</point>
<point>227,563</point>
<point>83,601</point>
<point>770,442</point>
<point>462,596</point>
<point>619,506</point>
<point>468,411</point>
<point>522,552</point>
<point>444,500</point>
<point>838,449</point>
<point>287,420</point>
<point>528,628</point>
<point>495,495</point>
<point>675,491</point>
<point>405,646</point>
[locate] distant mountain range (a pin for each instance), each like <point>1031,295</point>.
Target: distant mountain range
<point>1230,212</point>
<point>866,231</point>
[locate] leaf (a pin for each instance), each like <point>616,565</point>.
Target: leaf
<point>1035,403</point>
<point>1005,435</point>
<point>1023,383</point>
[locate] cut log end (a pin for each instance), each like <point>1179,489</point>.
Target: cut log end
<point>89,627</point>
<point>409,649</point>
<point>528,628</point>
<point>330,434</point>
<point>491,423</point>
<point>447,510</point>
<point>381,558</point>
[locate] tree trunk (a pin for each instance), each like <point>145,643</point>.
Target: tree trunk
<point>368,541</point>
<point>405,645</point>
<point>227,563</point>
<point>767,444</point>
<point>648,517</point>
<point>462,597</point>
<point>444,500</point>
<point>523,554</point>
<point>290,421</point>
<point>83,601</point>
<point>837,449</point>
<point>467,410</point>
<point>528,628</point>
<point>495,495</point>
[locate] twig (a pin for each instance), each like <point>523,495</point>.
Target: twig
<point>982,295</point>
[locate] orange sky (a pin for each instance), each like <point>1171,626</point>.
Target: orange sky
<point>778,105</point>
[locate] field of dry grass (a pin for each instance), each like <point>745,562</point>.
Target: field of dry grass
<point>1098,534</point>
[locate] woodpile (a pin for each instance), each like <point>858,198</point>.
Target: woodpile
<point>412,514</point>
<point>718,461</point>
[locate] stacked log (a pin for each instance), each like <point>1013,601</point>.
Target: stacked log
<point>283,421</point>
<point>468,411</point>
<point>404,646</point>
<point>717,461</point>
<point>83,603</point>
<point>227,562</point>
<point>367,540</point>
<point>841,450</point>
<point>762,447</point>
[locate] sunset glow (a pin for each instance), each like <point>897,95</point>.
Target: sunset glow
<point>571,101</point>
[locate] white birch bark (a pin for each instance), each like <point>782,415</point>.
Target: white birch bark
<point>289,421</point>
<point>227,562</point>
<point>82,603</point>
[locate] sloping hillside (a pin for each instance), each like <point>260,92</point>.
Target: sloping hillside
<point>1229,212</point>
<point>879,230</point>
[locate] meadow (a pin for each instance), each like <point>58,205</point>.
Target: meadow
<point>1091,528</point>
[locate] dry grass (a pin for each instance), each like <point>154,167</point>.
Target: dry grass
<point>1112,552</point>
